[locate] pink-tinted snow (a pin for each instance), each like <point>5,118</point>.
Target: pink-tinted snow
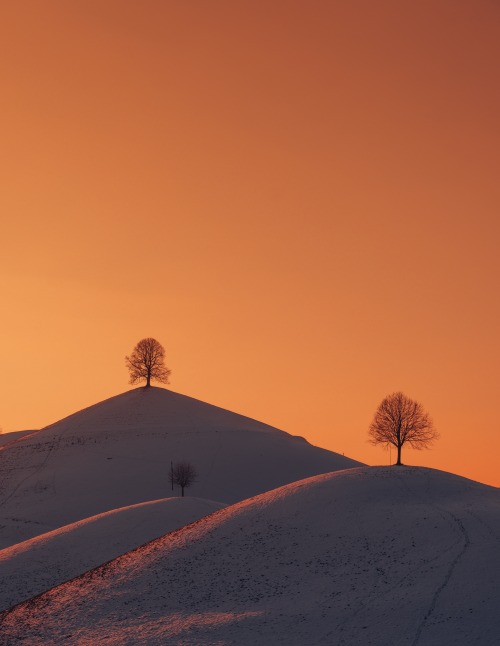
<point>33,566</point>
<point>379,556</point>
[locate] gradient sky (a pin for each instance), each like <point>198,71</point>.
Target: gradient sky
<point>298,199</point>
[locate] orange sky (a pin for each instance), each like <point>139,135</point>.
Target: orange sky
<point>300,200</point>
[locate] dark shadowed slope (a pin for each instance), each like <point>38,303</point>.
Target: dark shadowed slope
<point>118,452</point>
<point>8,438</point>
<point>381,556</point>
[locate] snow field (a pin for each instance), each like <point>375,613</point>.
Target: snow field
<point>364,556</point>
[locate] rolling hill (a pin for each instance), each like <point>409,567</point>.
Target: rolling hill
<point>376,555</point>
<point>38,564</point>
<point>8,438</point>
<point>118,452</point>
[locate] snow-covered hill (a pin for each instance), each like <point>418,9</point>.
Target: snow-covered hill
<point>7,438</point>
<point>38,564</point>
<point>380,556</point>
<point>118,453</point>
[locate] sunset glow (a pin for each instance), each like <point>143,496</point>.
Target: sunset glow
<point>299,200</point>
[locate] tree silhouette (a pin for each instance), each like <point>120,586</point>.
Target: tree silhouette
<point>400,420</point>
<point>147,362</point>
<point>183,474</point>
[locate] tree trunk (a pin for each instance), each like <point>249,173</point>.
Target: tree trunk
<point>148,380</point>
<point>182,489</point>
<point>398,463</point>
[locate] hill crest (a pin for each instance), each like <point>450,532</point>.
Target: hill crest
<point>118,453</point>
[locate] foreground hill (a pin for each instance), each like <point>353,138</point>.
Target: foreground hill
<point>33,566</point>
<point>118,453</point>
<point>381,556</point>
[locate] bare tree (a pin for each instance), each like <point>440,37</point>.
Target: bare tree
<point>399,420</point>
<point>183,474</point>
<point>147,362</point>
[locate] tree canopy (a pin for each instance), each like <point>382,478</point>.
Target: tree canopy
<point>183,474</point>
<point>400,420</point>
<point>147,362</point>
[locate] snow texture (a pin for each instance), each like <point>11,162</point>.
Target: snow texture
<point>33,566</point>
<point>8,438</point>
<point>117,453</point>
<point>402,556</point>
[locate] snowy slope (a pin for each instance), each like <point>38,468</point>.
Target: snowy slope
<point>118,452</point>
<point>380,556</point>
<point>7,438</point>
<point>33,566</point>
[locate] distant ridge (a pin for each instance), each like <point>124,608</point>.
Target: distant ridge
<point>118,452</point>
<point>14,436</point>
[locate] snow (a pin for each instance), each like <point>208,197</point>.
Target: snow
<point>373,555</point>
<point>117,453</point>
<point>13,436</point>
<point>33,566</point>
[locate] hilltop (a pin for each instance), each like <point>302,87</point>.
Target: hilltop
<point>118,452</point>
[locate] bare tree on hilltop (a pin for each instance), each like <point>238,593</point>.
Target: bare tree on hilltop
<point>183,474</point>
<point>147,362</point>
<point>399,420</point>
